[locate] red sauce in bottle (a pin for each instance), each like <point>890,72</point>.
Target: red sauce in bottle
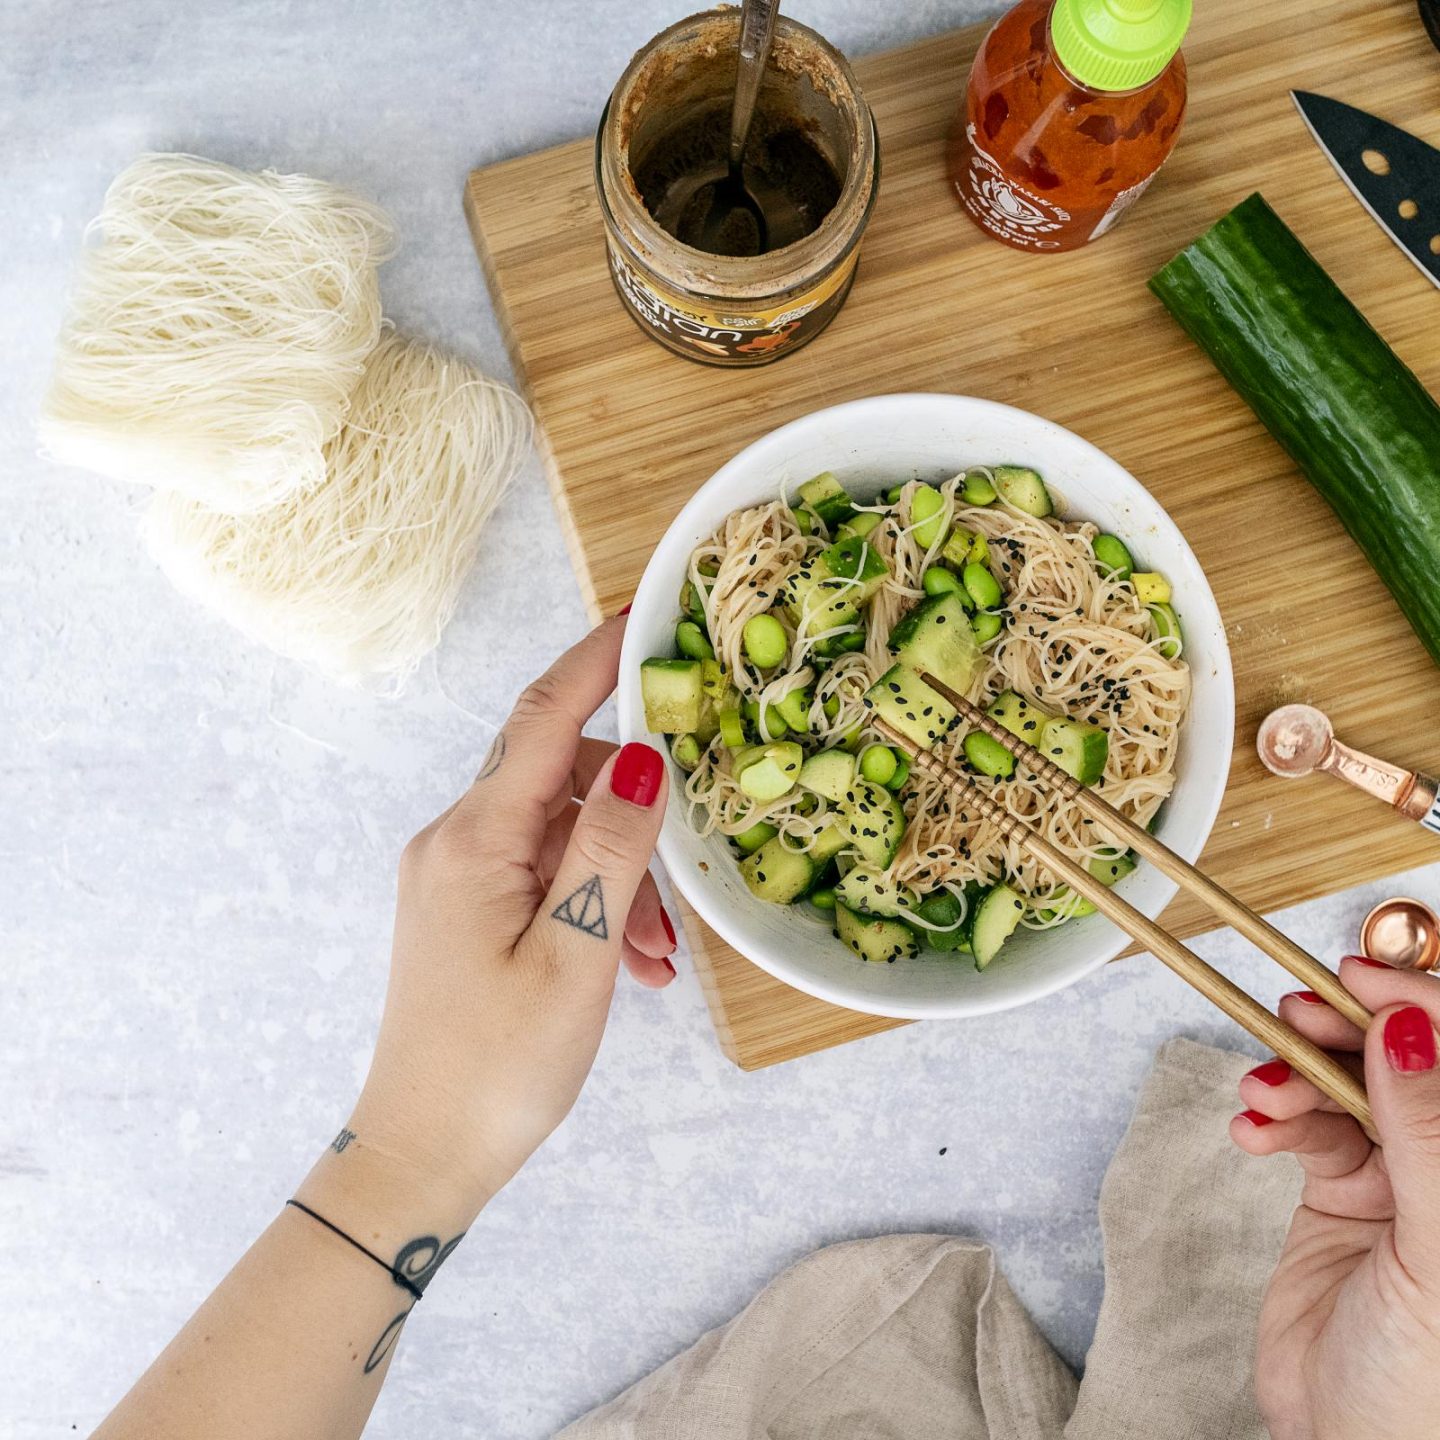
<point>1040,161</point>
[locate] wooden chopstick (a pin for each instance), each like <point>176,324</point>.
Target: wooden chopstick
<point>1255,928</point>
<point>1322,1070</point>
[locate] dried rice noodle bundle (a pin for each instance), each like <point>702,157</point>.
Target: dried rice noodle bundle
<point>216,332</point>
<point>359,576</point>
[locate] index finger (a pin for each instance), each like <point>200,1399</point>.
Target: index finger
<point>535,752</point>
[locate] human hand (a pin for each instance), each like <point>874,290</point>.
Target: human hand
<point>1349,1342</point>
<point>516,907</point>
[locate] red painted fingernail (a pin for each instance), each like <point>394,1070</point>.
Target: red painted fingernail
<point>1308,996</point>
<point>1272,1072</point>
<point>1410,1041</point>
<point>1366,960</point>
<point>1256,1118</point>
<point>637,774</point>
<point>669,928</point>
<point>619,614</point>
<point>668,966</point>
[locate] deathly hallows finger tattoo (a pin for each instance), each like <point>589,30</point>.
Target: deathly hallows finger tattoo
<point>339,1143</point>
<point>584,910</point>
<point>414,1268</point>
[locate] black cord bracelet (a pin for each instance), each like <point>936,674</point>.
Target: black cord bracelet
<point>401,1280</point>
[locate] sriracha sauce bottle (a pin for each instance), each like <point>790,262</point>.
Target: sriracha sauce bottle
<point>1073,105</point>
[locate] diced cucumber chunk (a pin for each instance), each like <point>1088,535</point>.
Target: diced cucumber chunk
<point>806,521</point>
<point>873,822</point>
<point>752,839</point>
<point>988,756</point>
<point>1065,904</point>
<point>827,498</point>
<point>1023,488</point>
<point>937,636</point>
<point>794,708</point>
<point>690,641</point>
<point>823,898</point>
<point>927,515</point>
<point>937,580</point>
<point>956,551</point>
<point>859,525</point>
<point>917,711</point>
<point>896,783</point>
<point>1021,717</point>
<point>841,644</point>
<point>685,750</point>
<point>1151,587</point>
<point>671,691</point>
<point>1111,869</point>
<point>996,915</point>
<point>830,773</point>
<point>1077,748</point>
<point>777,873</point>
<point>1167,630</point>
<point>709,726</point>
<point>982,587</point>
<point>977,490</point>
<point>986,626</point>
<point>1113,556</point>
<point>732,721</point>
<point>829,843</point>
<point>877,940</point>
<point>870,891</point>
<point>877,763</point>
<point>766,643</point>
<point>940,907</point>
<point>766,772</point>
<point>713,680</point>
<point>854,558</point>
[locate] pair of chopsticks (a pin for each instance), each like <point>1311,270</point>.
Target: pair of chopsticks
<point>1306,1058</point>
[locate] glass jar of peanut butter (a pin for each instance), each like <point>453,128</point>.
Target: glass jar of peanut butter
<point>812,163</point>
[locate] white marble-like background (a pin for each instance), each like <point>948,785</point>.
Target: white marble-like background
<point>197,841</point>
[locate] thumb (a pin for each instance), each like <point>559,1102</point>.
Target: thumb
<point>1403,1080</point>
<point>606,859</point>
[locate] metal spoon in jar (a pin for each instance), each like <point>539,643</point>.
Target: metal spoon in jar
<point>1298,739</point>
<point>719,212</point>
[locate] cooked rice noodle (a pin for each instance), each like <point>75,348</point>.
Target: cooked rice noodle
<point>216,331</point>
<point>359,576</point>
<point>1075,643</point>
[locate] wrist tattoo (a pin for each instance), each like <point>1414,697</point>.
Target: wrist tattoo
<point>494,760</point>
<point>417,1261</point>
<point>584,910</point>
<point>339,1143</point>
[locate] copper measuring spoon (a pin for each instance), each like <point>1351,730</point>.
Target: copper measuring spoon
<point>1298,739</point>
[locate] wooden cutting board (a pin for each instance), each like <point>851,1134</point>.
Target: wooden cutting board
<point>630,431</point>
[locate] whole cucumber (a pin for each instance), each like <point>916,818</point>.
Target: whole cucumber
<point>1359,424</point>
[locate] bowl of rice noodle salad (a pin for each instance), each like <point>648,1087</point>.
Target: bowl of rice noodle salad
<point>804,590</point>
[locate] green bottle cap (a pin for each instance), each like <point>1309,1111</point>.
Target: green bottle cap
<point>1117,44</point>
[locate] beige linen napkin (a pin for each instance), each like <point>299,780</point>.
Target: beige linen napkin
<point>919,1337</point>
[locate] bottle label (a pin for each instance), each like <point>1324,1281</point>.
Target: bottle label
<point>1121,203</point>
<point>1005,207</point>
<point>741,334</point>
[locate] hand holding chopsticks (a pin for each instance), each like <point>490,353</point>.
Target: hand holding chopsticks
<point>1305,1057</point>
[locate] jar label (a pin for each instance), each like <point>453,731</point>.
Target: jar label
<point>1002,205</point>
<point>740,334</point>
<point>1121,203</point>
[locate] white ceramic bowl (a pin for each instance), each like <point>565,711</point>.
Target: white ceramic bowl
<point>871,445</point>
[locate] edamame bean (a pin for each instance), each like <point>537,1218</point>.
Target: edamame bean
<point>983,587</point>
<point>986,625</point>
<point>877,763</point>
<point>766,642</point>
<point>977,490</point>
<point>937,580</point>
<point>690,641</point>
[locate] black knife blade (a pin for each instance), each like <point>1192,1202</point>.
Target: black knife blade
<point>1393,174</point>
